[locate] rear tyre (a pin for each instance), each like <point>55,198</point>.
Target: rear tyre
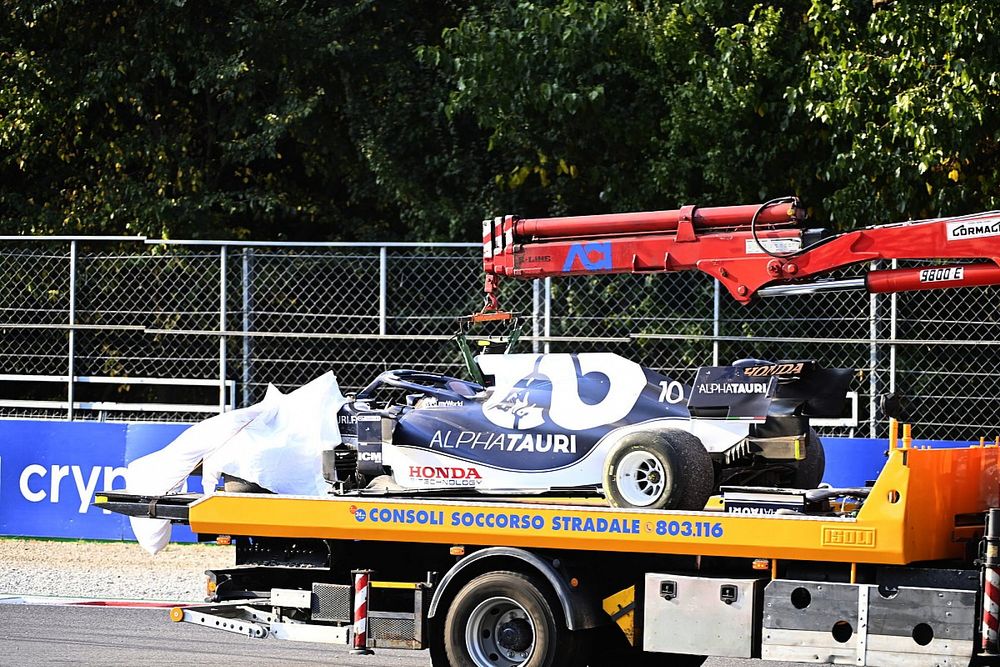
<point>810,470</point>
<point>659,470</point>
<point>503,619</point>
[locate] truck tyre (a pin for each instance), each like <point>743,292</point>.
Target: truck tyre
<point>659,470</point>
<point>502,619</point>
<point>810,470</point>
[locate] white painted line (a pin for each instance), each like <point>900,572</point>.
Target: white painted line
<point>88,602</point>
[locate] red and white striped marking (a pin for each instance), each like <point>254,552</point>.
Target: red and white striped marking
<point>360,640</point>
<point>991,609</point>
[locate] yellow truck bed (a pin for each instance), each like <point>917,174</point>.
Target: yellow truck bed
<point>926,504</point>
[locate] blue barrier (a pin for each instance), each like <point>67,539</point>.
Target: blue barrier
<point>855,461</point>
<point>50,471</point>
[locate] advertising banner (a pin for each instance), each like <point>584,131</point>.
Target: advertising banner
<point>51,470</point>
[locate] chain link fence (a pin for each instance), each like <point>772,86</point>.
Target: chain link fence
<point>175,331</point>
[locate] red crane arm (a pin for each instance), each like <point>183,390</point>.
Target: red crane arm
<point>747,248</point>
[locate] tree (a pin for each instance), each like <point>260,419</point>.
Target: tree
<point>907,96</point>
<point>262,119</point>
<point>413,120</point>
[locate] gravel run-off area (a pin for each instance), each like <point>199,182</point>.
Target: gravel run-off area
<point>108,570</point>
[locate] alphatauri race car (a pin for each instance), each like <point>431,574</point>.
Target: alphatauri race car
<point>588,423</point>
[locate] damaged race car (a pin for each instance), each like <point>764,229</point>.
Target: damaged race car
<point>595,424</point>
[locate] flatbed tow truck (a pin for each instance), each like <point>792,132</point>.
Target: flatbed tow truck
<point>904,571</point>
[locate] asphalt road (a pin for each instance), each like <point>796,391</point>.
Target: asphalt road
<point>115,637</point>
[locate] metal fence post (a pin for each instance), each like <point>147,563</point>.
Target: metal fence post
<point>872,359</point>
<point>223,362</point>
<point>716,309</point>
<point>548,312</point>
<point>247,308</point>
<point>893,333</point>
<point>71,357</point>
<point>383,279</point>
<point>536,307</point>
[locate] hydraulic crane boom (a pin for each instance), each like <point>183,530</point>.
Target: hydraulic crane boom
<point>755,249</point>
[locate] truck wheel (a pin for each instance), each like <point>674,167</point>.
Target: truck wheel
<point>659,470</point>
<point>503,619</point>
<point>809,472</point>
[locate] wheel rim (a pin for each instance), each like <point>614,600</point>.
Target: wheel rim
<point>499,633</point>
<point>641,478</point>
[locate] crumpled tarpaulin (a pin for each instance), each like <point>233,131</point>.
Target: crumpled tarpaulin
<point>277,443</point>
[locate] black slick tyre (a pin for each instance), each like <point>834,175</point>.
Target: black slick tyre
<point>502,619</point>
<point>810,470</point>
<point>667,469</point>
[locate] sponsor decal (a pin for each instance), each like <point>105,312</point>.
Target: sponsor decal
<point>943,274</point>
<point>38,483</point>
<point>972,229</point>
<point>780,246</point>
<point>498,520</point>
<point>671,391</point>
<point>555,443</point>
<point>774,369</point>
<point>347,419</point>
<point>590,256</point>
<point>372,457</point>
<point>523,521</point>
<point>538,258</point>
<point>848,537</point>
<point>445,475</point>
<point>434,402</point>
<point>733,388</point>
<point>727,392</point>
<point>751,510</point>
<point>516,410</point>
<point>398,516</point>
<point>599,525</point>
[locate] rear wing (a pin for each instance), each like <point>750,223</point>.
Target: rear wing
<point>753,390</point>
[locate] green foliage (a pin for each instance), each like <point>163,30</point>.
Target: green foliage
<point>907,96</point>
<point>555,86</point>
<point>173,118</point>
<point>728,136</point>
<point>275,119</point>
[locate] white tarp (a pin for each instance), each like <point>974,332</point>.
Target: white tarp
<point>277,443</point>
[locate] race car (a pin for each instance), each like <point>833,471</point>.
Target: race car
<point>595,424</point>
